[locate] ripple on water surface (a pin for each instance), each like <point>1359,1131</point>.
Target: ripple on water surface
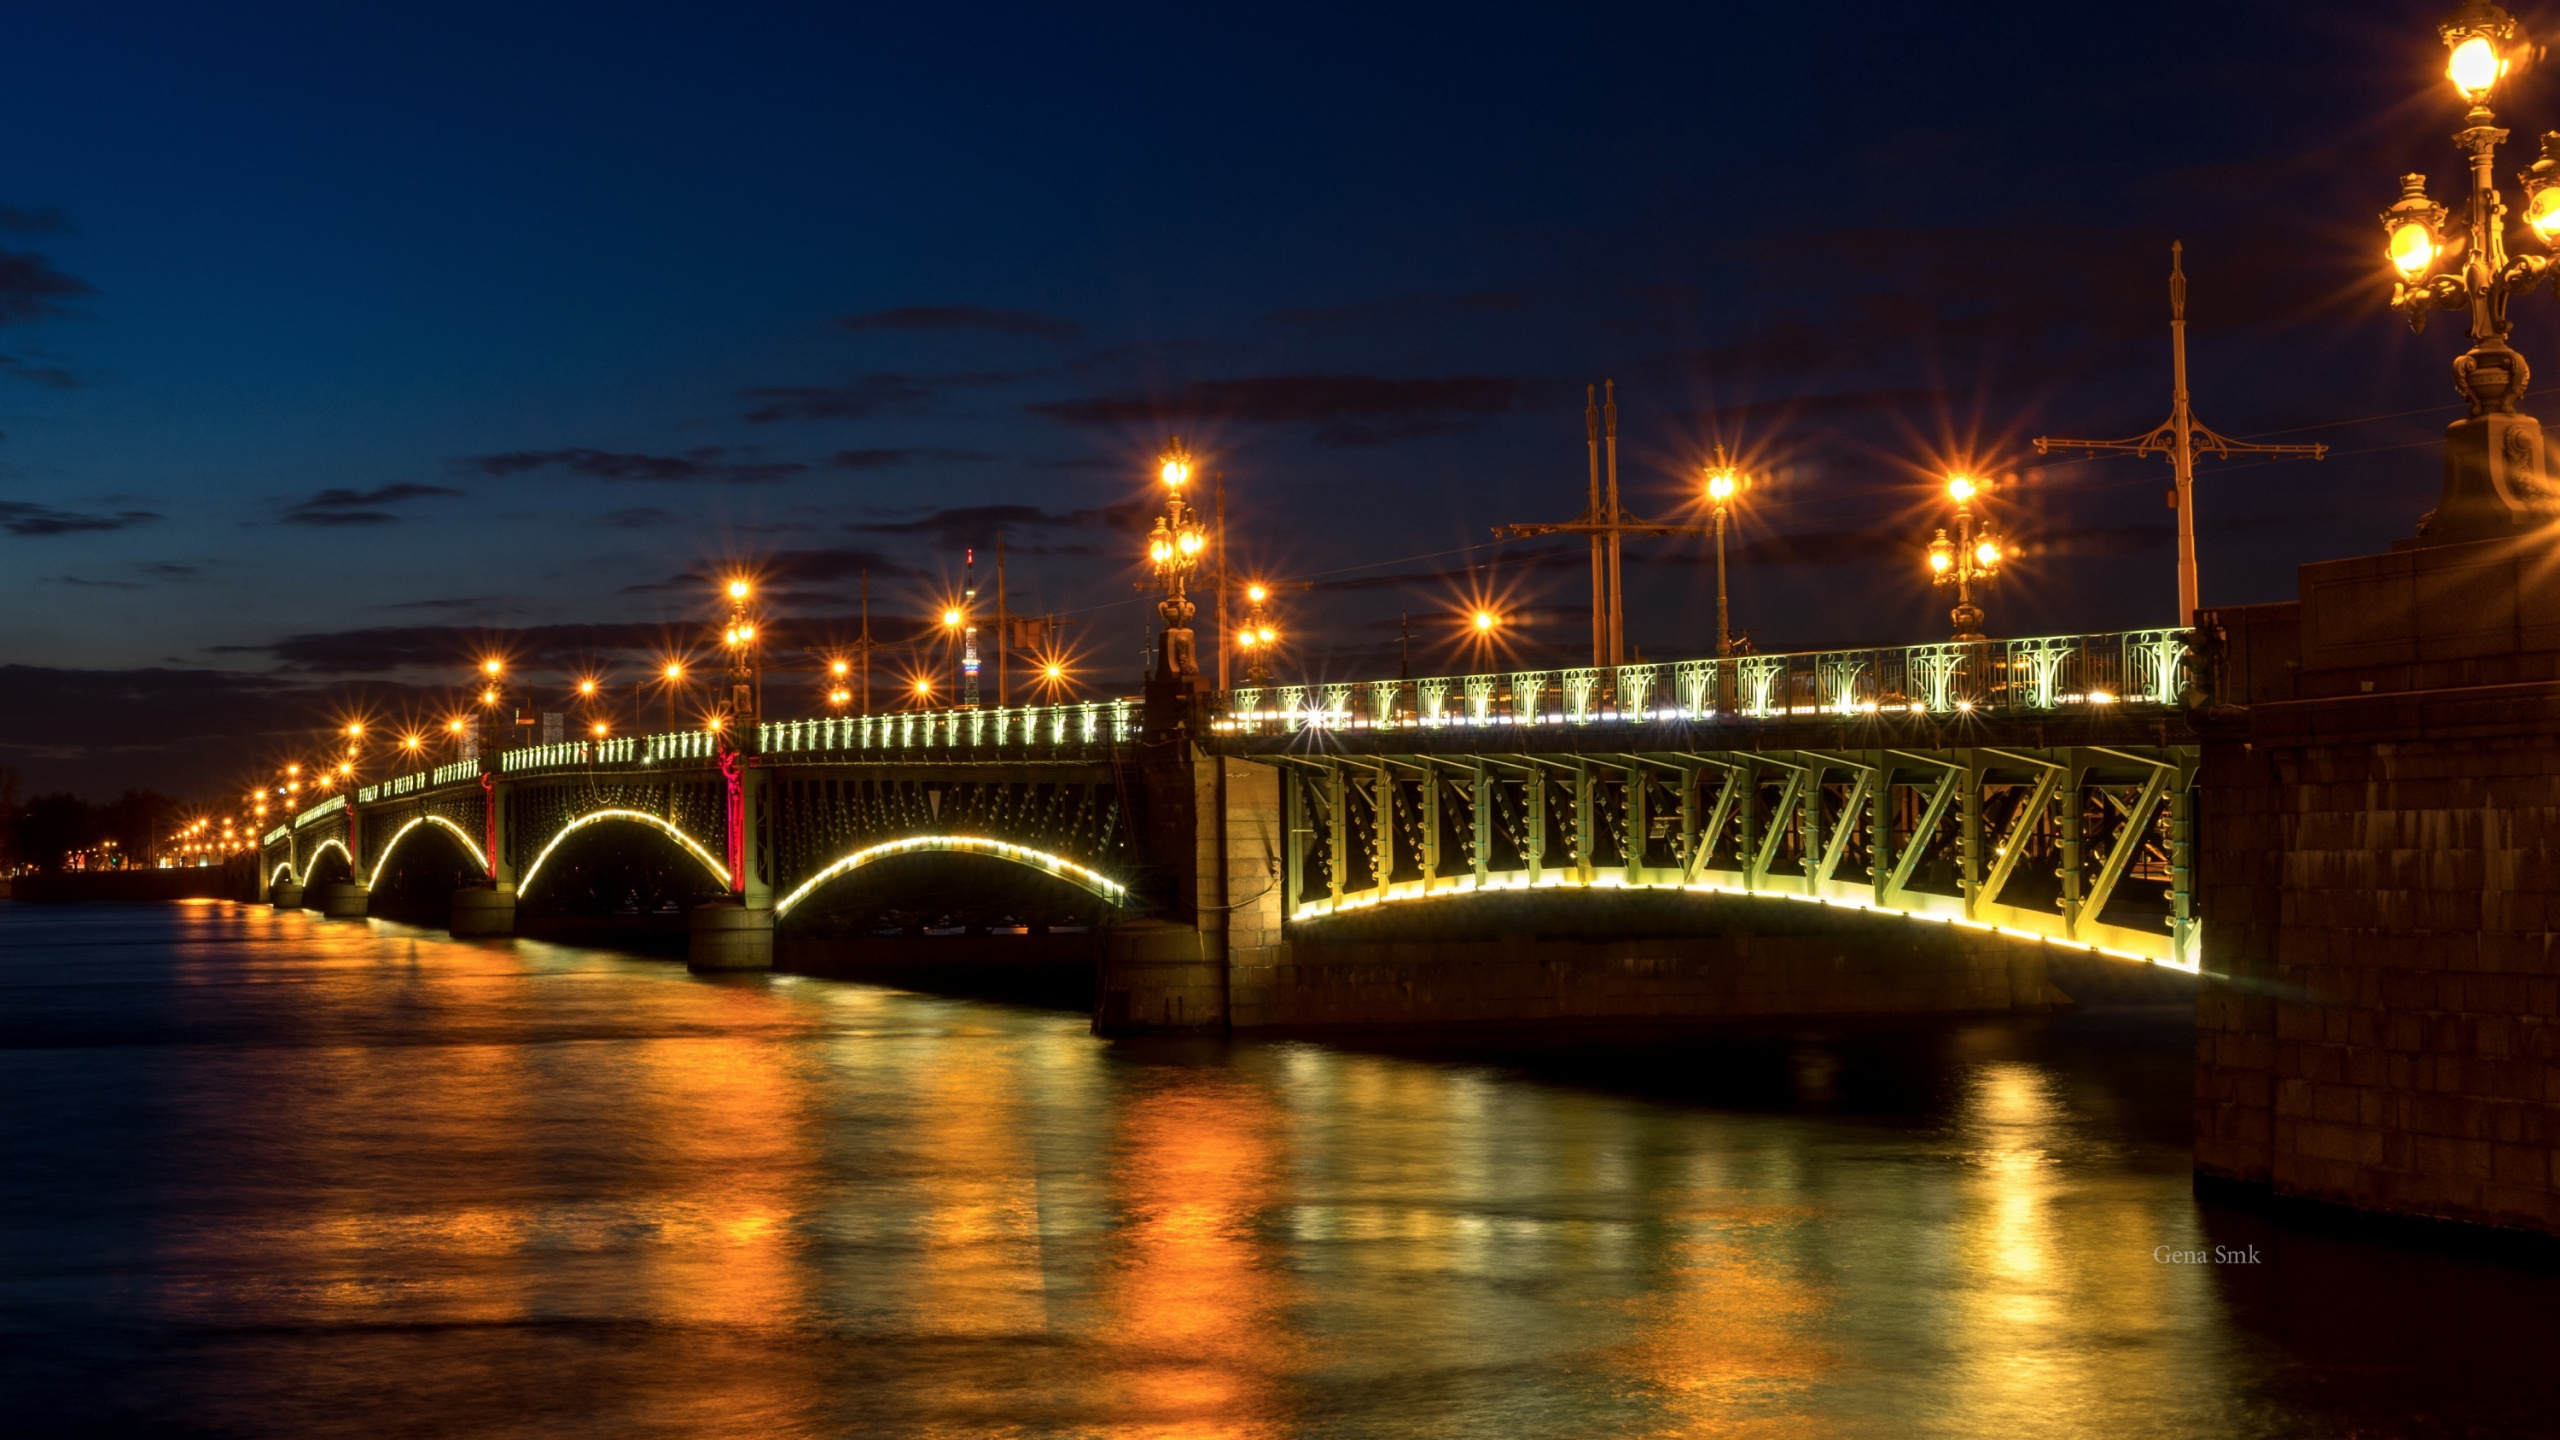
<point>274,1175</point>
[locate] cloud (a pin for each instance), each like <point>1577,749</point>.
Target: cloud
<point>30,287</point>
<point>861,397</point>
<point>93,584</point>
<point>710,463</point>
<point>177,730</point>
<point>788,574</point>
<point>458,602</point>
<point>52,376</point>
<point>869,459</point>
<point>890,459</point>
<point>914,319</point>
<point>39,220</point>
<point>1402,309</point>
<point>532,649</point>
<point>637,518</point>
<point>19,517</point>
<point>970,524</point>
<point>171,570</point>
<point>1344,409</point>
<point>341,519</point>
<point>339,508</point>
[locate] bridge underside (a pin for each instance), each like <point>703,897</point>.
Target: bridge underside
<point>1843,867</point>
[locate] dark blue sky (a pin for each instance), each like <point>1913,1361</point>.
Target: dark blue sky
<point>339,340</point>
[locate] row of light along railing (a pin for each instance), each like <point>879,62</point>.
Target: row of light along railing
<point>2042,676</point>
<point>997,732</point>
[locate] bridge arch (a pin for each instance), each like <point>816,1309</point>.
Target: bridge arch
<point>1081,876</point>
<point>691,846</point>
<point>382,862</point>
<point>283,871</point>
<point>311,865</point>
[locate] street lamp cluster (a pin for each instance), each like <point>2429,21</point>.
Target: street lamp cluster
<point>2496,479</point>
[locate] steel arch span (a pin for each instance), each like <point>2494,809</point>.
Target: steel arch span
<point>691,846</point>
<point>479,856</point>
<point>1081,876</point>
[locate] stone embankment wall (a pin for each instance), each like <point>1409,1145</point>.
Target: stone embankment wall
<point>2379,1022</point>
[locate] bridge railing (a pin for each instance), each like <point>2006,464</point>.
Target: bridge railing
<point>1000,730</point>
<point>323,810</point>
<point>396,786</point>
<point>2045,675</point>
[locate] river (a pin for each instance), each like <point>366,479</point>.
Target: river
<point>270,1175</point>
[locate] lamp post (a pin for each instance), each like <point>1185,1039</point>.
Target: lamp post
<point>671,680</point>
<point>1725,481</point>
<point>1258,636</point>
<point>1173,548</point>
<point>1975,556</point>
<point>2495,478</point>
<point>740,638</point>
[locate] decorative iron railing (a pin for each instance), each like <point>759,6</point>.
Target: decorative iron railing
<point>330,806</point>
<point>1014,729</point>
<point>1031,730</point>
<point>2135,669</point>
<point>396,786</point>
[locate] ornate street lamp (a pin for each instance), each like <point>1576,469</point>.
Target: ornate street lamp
<point>1258,636</point>
<point>2494,474</point>
<point>1173,548</point>
<point>1725,482</point>
<point>737,724</point>
<point>1972,557</point>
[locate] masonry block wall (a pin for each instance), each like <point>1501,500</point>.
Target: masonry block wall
<point>2379,1023</point>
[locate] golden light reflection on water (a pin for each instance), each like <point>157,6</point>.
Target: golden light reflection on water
<point>784,1207</point>
<point>1198,1334</point>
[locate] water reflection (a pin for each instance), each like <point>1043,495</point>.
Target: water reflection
<point>277,1176</point>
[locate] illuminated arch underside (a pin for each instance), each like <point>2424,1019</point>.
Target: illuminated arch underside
<point>1093,881</point>
<point>692,847</point>
<point>323,848</point>
<point>478,856</point>
<point>2016,922</point>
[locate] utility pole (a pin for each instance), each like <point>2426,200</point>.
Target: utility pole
<point>2180,438</point>
<point>1004,624</point>
<point>969,628</point>
<point>865,645</point>
<point>1607,523</point>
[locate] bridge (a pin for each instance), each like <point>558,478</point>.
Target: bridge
<point>1737,829</point>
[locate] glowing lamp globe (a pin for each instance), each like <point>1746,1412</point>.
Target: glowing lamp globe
<point>2542,212</point>
<point>2413,249</point>
<point>2474,66</point>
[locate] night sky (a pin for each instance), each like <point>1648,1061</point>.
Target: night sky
<point>340,344</point>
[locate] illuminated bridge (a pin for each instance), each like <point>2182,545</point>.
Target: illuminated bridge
<point>1904,828</point>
